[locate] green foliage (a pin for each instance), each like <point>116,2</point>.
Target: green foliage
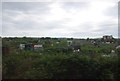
<point>57,61</point>
<point>93,49</point>
<point>29,65</point>
<point>55,49</point>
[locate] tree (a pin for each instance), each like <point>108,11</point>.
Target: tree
<point>87,39</point>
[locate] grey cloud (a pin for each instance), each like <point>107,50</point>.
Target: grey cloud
<point>75,5</point>
<point>33,21</point>
<point>103,28</point>
<point>87,34</point>
<point>108,28</point>
<point>112,11</point>
<point>29,25</point>
<point>26,7</point>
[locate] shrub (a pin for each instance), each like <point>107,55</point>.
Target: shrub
<point>58,66</point>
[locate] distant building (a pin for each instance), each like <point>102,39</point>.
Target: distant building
<point>69,42</point>
<point>37,46</point>
<point>76,48</point>
<point>107,42</point>
<point>30,46</point>
<point>112,51</point>
<point>22,46</point>
<point>118,47</point>
<point>57,42</point>
<point>107,37</point>
<point>62,38</point>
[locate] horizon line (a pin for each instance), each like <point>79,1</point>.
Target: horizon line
<point>55,37</point>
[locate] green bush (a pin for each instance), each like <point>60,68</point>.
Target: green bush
<point>58,50</point>
<point>93,49</point>
<point>58,66</point>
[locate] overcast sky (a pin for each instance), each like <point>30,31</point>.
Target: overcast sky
<point>86,18</point>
